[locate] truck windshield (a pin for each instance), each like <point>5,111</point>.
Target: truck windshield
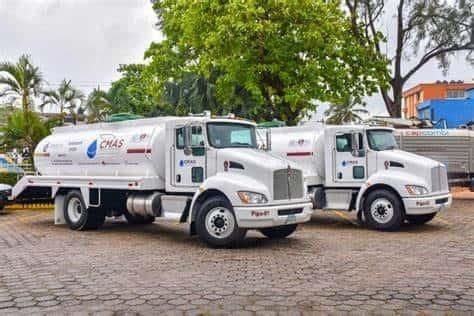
<point>381,140</point>
<point>224,135</point>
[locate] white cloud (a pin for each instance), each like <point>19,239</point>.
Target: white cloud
<point>82,40</point>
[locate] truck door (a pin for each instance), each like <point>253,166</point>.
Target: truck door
<point>189,156</point>
<point>350,163</point>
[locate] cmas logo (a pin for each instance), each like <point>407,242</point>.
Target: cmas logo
<point>92,149</point>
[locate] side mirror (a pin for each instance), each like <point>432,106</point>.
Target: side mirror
<point>268,140</point>
<point>356,151</point>
<point>187,141</point>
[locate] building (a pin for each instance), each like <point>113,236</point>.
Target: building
<point>430,91</point>
<point>454,111</point>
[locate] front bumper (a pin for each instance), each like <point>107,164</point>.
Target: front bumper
<point>255,216</point>
<point>427,205</point>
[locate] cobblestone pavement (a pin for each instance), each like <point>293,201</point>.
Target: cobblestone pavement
<point>328,265</point>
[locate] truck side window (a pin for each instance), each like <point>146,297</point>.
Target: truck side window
<point>180,138</point>
<point>344,143</point>
<point>197,141</point>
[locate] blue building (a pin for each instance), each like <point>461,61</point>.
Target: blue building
<point>455,111</point>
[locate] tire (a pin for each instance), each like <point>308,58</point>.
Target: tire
<point>383,210</point>
<point>279,232</point>
<point>361,219</point>
<point>77,216</point>
<point>216,224</point>
<point>420,219</point>
<point>137,219</point>
<point>2,206</point>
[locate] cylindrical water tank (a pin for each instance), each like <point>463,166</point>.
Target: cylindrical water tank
<point>133,148</point>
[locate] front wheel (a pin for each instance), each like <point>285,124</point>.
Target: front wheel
<point>216,224</point>
<point>383,210</point>
<point>420,219</point>
<point>279,232</point>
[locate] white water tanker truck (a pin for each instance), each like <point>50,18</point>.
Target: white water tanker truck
<point>206,172</point>
<point>359,168</point>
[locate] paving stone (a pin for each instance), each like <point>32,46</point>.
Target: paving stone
<point>328,266</point>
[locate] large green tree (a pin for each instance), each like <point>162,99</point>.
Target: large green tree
<point>20,81</point>
<point>130,93</point>
<point>284,53</point>
<point>423,31</point>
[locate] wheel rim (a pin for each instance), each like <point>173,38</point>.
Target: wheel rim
<point>74,209</point>
<point>381,210</point>
<point>220,222</point>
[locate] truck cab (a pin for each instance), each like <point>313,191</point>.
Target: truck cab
<point>200,170</point>
<point>357,167</point>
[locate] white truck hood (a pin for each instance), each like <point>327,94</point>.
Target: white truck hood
<point>409,160</point>
<point>254,157</point>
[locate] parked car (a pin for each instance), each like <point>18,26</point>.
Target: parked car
<point>5,192</point>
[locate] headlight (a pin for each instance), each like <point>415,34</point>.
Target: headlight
<point>416,190</point>
<point>252,197</point>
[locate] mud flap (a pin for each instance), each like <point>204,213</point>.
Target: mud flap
<point>59,210</point>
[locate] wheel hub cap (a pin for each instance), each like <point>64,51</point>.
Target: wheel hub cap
<point>74,209</point>
<point>382,210</point>
<point>220,222</point>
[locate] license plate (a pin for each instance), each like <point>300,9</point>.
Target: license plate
<point>291,219</point>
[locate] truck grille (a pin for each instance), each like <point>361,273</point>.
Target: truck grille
<point>439,179</point>
<point>288,184</point>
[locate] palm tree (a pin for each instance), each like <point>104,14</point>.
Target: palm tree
<point>97,106</point>
<point>66,97</point>
<point>23,129</point>
<point>22,81</point>
<point>344,112</point>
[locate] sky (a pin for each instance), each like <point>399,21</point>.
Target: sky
<point>86,41</point>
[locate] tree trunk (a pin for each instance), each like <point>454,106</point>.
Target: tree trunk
<point>395,108</point>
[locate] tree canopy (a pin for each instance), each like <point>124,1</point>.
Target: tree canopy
<point>424,30</point>
<point>21,81</point>
<point>283,54</point>
<point>65,97</point>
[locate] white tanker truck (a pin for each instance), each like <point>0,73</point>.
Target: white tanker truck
<point>359,168</point>
<point>206,172</point>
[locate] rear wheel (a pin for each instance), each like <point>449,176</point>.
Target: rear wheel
<point>383,210</point>
<point>216,224</point>
<point>279,232</point>
<point>420,219</point>
<point>77,216</point>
